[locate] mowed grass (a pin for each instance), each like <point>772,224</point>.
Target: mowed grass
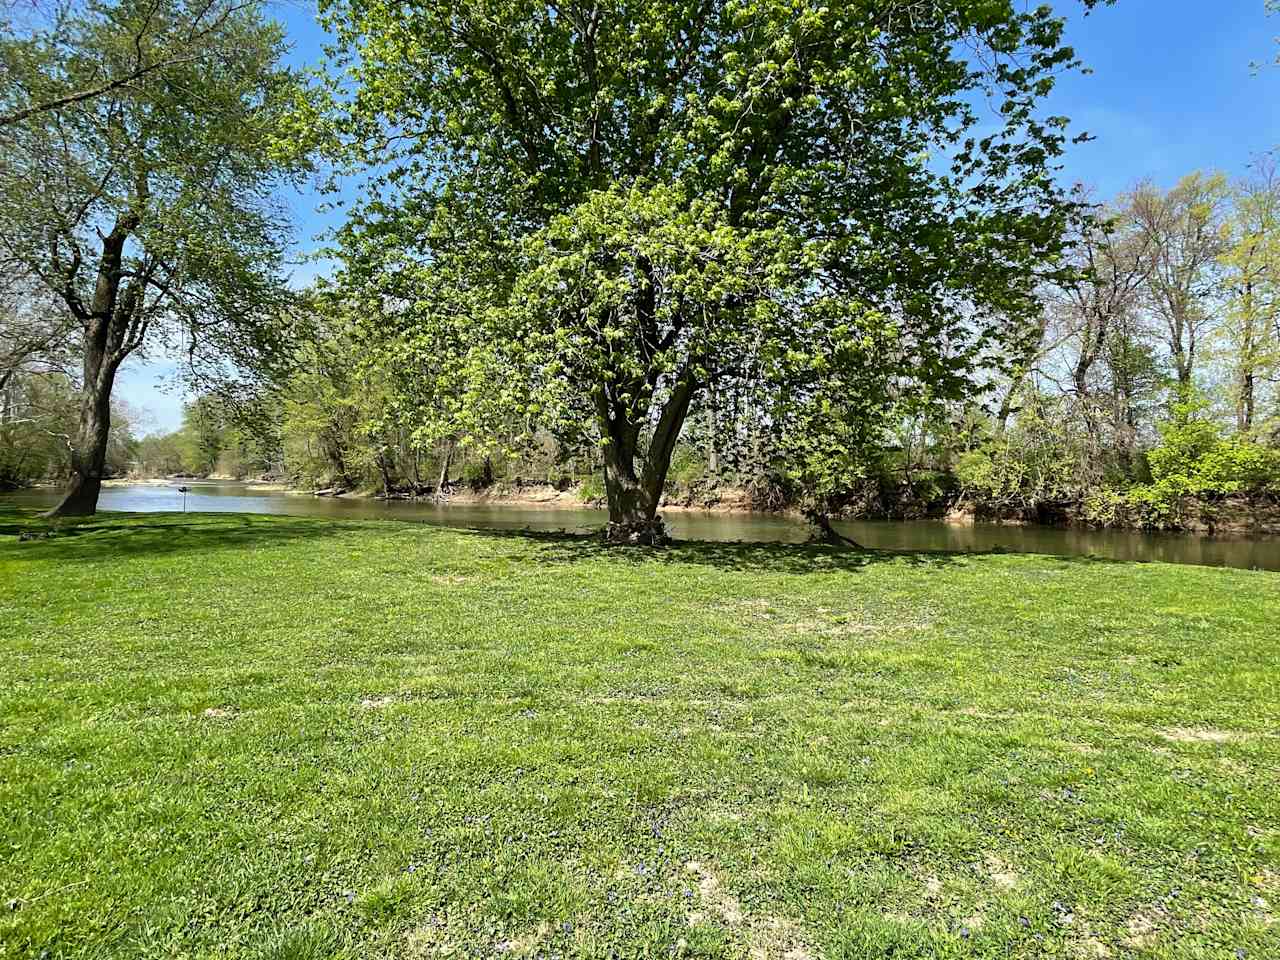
<point>251,736</point>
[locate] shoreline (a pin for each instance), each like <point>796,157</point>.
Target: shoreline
<point>1231,519</point>
<point>271,486</point>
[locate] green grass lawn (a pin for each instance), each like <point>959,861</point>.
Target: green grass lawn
<point>251,736</point>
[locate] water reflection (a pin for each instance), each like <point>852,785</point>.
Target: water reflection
<point>230,497</point>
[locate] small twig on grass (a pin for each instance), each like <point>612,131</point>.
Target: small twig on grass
<point>19,900</point>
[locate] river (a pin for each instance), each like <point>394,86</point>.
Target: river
<point>232,497</point>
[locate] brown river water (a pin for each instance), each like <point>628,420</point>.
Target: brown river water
<point>232,497</point>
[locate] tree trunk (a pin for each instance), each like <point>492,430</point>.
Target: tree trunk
<point>824,532</point>
<point>384,469</point>
<point>633,496</point>
<point>1006,407</point>
<point>1245,405</point>
<point>89,446</point>
<point>633,505</point>
<point>1245,410</point>
<point>106,327</point>
<point>442,485</point>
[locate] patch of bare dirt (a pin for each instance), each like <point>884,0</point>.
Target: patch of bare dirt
<point>713,898</point>
<point>1002,875</point>
<point>982,714</point>
<point>1198,735</point>
<point>1143,928</point>
<point>376,703</point>
<point>427,940</point>
<point>1090,948</point>
<point>219,713</point>
<point>768,938</point>
<point>527,943</point>
<point>777,939</point>
<point>828,628</point>
<point>448,579</point>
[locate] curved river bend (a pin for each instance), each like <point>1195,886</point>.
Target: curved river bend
<point>232,497</point>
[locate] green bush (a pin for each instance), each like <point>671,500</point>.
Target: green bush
<point>591,490</point>
<point>1037,460</point>
<point>1194,459</point>
<point>687,468</point>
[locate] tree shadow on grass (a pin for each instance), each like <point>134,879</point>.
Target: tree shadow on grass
<point>25,534</point>
<point>28,536</point>
<point>556,548</point>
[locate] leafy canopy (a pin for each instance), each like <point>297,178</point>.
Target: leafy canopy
<point>152,125</point>
<point>624,205</point>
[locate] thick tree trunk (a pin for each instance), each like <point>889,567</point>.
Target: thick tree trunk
<point>89,446</point>
<point>633,504</point>
<point>633,496</point>
<point>107,326</point>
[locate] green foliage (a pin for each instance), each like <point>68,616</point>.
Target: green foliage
<point>139,170</point>
<point>591,490</point>
<point>179,160</point>
<point>160,455</point>
<point>38,414</point>
<point>604,218</point>
<point>219,435</point>
<point>1192,460</point>
<point>203,435</point>
<point>1193,457</point>
<point>688,468</point>
<point>1040,458</point>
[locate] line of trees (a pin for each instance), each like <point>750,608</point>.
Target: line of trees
<point>1150,375</point>
<point>699,244</point>
<point>1154,373</point>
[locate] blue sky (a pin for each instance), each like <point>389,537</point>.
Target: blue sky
<point>1172,90</point>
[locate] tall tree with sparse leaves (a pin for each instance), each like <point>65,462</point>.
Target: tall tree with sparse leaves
<point>145,209</point>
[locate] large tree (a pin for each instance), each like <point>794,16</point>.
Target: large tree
<point>623,208</point>
<point>145,209</point>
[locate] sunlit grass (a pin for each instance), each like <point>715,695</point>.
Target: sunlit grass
<point>273,737</point>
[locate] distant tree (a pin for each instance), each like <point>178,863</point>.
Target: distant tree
<point>1185,230</point>
<point>1112,258</point>
<point>1251,265</point>
<point>202,436</point>
<point>619,210</point>
<point>144,209</point>
<point>39,410</point>
<point>160,454</point>
<point>34,332</point>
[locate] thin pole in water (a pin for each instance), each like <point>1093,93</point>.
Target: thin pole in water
<point>184,491</point>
